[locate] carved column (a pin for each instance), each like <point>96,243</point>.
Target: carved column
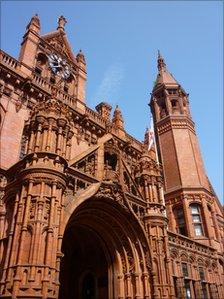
<point>156,222</point>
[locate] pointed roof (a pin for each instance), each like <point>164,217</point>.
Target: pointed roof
<point>59,40</point>
<point>164,76</point>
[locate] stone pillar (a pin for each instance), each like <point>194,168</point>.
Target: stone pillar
<point>216,226</point>
<point>171,218</point>
<point>206,220</point>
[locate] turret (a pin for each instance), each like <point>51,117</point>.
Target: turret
<point>168,97</point>
<point>175,132</point>
<point>29,45</point>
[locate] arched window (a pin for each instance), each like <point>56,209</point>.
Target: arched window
<point>180,221</point>
<point>197,219</point>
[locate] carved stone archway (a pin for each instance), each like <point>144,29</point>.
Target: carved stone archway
<point>103,239</point>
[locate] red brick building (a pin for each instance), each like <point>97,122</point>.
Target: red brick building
<point>86,210</point>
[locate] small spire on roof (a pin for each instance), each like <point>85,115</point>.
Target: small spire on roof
<point>80,56</point>
<point>146,139</point>
<point>164,76</point>
<point>117,120</point>
<point>160,62</point>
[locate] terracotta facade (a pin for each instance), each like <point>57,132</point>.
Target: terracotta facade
<point>86,210</point>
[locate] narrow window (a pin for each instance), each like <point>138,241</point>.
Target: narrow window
<point>204,290</point>
<point>175,287</point>
<point>201,273</point>
<point>197,220</point>
<point>186,280</point>
<point>184,269</point>
<point>174,103</point>
<point>180,220</point>
<point>187,289</point>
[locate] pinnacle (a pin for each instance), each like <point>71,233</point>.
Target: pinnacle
<point>61,23</point>
<point>164,76</point>
<point>118,118</point>
<point>34,23</point>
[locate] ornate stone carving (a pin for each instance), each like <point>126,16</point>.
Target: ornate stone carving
<point>112,192</point>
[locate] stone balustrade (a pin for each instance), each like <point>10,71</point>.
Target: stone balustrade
<point>186,243</point>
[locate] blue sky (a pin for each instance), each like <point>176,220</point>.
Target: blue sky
<point>120,41</point>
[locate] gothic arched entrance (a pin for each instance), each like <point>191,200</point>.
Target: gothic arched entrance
<point>84,270</point>
<point>105,254</point>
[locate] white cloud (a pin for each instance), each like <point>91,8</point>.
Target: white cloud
<point>109,85</point>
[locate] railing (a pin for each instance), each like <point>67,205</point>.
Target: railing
<point>95,117</point>
<point>41,82</point>
<point>67,99</point>
<point>8,60</point>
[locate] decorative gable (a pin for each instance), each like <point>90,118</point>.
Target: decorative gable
<point>58,40</point>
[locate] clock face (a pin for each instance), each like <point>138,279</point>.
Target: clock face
<point>59,66</point>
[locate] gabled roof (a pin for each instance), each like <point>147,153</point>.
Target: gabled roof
<point>59,41</point>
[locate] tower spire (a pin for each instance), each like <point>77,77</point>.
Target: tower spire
<point>164,76</point>
<point>161,62</point>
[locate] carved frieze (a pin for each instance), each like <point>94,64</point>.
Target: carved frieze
<point>112,192</point>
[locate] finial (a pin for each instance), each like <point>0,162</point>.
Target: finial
<point>61,23</point>
<point>160,62</point>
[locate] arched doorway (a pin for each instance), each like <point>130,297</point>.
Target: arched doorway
<point>104,257</point>
<point>84,269</point>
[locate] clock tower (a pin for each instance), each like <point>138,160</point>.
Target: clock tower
<point>53,61</point>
